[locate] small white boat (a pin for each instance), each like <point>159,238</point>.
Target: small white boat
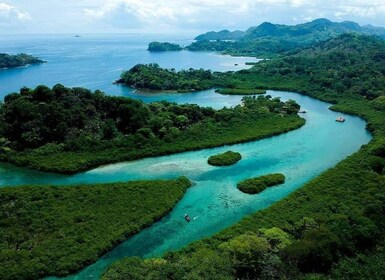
<point>340,119</point>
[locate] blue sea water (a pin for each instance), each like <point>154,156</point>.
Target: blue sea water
<point>214,202</point>
<point>95,61</point>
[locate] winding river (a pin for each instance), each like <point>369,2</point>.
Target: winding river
<point>214,202</point>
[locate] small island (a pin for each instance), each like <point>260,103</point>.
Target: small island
<point>240,91</point>
<point>225,159</point>
<point>163,47</point>
<point>153,77</point>
<point>18,60</point>
<point>258,184</point>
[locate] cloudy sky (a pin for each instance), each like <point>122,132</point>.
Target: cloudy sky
<point>161,16</point>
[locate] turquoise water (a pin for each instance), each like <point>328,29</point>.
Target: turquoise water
<point>214,202</point>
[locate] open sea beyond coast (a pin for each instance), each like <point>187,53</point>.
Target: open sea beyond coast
<point>214,202</point>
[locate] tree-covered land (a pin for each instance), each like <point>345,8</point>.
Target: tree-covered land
<point>268,40</point>
<point>18,60</point>
<point>152,77</point>
<point>259,184</point>
<point>67,130</point>
<point>224,159</point>
<point>331,228</point>
<point>162,47</point>
<point>55,230</point>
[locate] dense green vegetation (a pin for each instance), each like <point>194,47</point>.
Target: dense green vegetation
<point>47,230</point>
<point>221,35</point>
<point>259,184</point>
<point>161,47</point>
<point>224,159</point>
<point>240,91</point>
<point>68,130</point>
<point>270,39</point>
<point>152,77</point>
<point>334,224</point>
<point>18,60</point>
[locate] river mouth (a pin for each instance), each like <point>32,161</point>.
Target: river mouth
<point>214,202</point>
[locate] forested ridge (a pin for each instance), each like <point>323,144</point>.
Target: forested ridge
<point>271,40</point>
<point>334,223</point>
<point>68,130</point>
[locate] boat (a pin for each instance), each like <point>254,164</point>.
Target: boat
<point>340,119</point>
<point>302,112</point>
<point>187,217</point>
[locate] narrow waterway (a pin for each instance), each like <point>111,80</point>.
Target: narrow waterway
<point>214,202</point>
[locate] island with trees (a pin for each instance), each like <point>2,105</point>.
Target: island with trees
<point>333,226</point>
<point>56,230</point>
<point>259,184</point>
<point>68,130</point>
<point>18,60</point>
<point>153,77</point>
<point>224,159</point>
<point>163,46</point>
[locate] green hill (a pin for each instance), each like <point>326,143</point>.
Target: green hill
<point>268,38</point>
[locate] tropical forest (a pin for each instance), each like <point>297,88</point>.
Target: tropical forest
<point>179,161</point>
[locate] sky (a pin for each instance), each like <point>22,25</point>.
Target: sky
<point>175,16</point>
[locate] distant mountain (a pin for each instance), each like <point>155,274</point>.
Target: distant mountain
<point>315,30</point>
<point>270,39</point>
<point>221,35</point>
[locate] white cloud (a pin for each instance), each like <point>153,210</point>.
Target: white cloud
<point>200,14</point>
<point>178,15</point>
<point>11,13</point>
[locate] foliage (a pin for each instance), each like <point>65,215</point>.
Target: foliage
<point>152,77</point>
<point>68,130</point>
<point>48,230</point>
<point>257,185</point>
<point>161,47</point>
<point>370,266</point>
<point>224,159</point>
<point>270,39</point>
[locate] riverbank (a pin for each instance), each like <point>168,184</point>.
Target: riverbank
<point>56,230</point>
<point>338,214</point>
<point>108,129</point>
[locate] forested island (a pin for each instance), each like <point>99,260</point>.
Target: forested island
<point>18,60</point>
<point>259,184</point>
<point>153,77</point>
<point>224,159</point>
<point>331,228</point>
<point>68,130</point>
<point>162,47</point>
<point>55,230</point>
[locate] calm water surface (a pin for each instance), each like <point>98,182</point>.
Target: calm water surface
<point>95,61</point>
<point>213,202</point>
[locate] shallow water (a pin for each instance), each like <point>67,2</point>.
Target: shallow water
<point>214,202</point>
